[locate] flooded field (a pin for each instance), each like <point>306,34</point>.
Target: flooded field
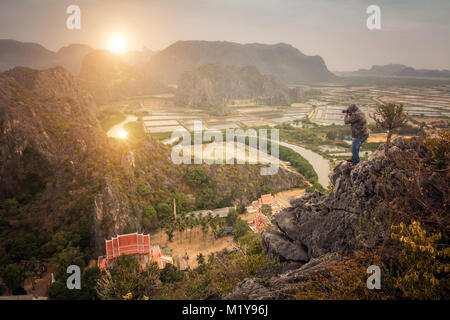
<point>117,130</point>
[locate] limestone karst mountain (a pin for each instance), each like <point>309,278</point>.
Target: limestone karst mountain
<point>213,86</point>
<point>282,60</point>
<point>400,70</point>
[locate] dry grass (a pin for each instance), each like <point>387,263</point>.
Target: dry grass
<point>193,244</point>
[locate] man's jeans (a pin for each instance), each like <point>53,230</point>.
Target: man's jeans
<point>356,144</point>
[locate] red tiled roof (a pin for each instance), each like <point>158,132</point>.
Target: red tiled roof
<point>109,250</point>
<point>133,243</point>
<point>266,199</point>
<point>260,221</point>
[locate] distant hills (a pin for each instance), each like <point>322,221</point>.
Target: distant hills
<point>282,60</point>
<point>400,70</point>
<point>33,55</point>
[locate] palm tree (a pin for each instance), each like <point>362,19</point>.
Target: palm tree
<point>213,224</point>
<point>182,227</point>
<point>191,222</point>
<point>204,226</point>
<point>209,219</point>
<point>198,221</point>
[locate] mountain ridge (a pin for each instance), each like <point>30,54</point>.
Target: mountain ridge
<point>281,60</point>
<point>15,53</point>
<point>400,70</point>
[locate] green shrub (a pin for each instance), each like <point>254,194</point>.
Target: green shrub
<point>12,276</point>
<point>144,190</point>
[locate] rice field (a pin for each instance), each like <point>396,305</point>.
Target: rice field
<point>163,129</point>
<point>158,123</point>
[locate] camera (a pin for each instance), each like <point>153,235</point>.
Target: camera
<point>345,111</point>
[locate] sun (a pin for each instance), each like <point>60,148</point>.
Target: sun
<point>122,134</point>
<point>117,44</point>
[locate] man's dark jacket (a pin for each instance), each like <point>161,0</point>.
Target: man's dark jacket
<point>358,121</point>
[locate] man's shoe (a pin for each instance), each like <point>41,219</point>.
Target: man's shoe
<point>350,160</point>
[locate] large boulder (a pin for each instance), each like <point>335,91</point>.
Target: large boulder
<point>322,223</point>
<point>276,242</point>
<point>353,215</point>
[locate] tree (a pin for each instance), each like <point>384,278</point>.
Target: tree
<point>331,134</point>
<point>241,209</point>
<point>231,217</point>
<point>390,116</point>
<point>169,231</point>
<point>24,246</point>
<point>164,211</point>
<point>126,278</point>
<point>12,276</point>
<point>240,228</point>
<point>69,256</point>
<point>204,226</point>
<point>59,290</point>
<point>191,225</point>
<point>58,242</point>
<point>266,210</point>
<point>144,190</point>
<point>214,223</point>
<point>149,216</point>
<point>170,274</point>
<point>421,262</point>
<point>197,176</point>
<point>180,225</point>
<point>201,259</point>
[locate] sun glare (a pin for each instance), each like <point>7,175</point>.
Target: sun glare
<point>122,134</point>
<point>117,44</point>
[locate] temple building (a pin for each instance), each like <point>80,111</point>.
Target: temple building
<point>268,200</point>
<point>259,222</point>
<point>135,244</point>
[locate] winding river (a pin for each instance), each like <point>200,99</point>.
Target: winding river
<point>115,131</point>
<point>319,163</point>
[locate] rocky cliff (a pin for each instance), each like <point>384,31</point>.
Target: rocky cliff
<point>322,229</point>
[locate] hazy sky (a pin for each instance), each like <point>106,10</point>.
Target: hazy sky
<point>413,32</point>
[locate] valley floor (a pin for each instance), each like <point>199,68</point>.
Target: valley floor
<point>193,243</point>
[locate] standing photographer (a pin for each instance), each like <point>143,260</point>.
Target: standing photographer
<point>360,131</point>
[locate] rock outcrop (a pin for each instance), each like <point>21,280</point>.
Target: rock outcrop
<point>319,227</point>
<point>281,60</point>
